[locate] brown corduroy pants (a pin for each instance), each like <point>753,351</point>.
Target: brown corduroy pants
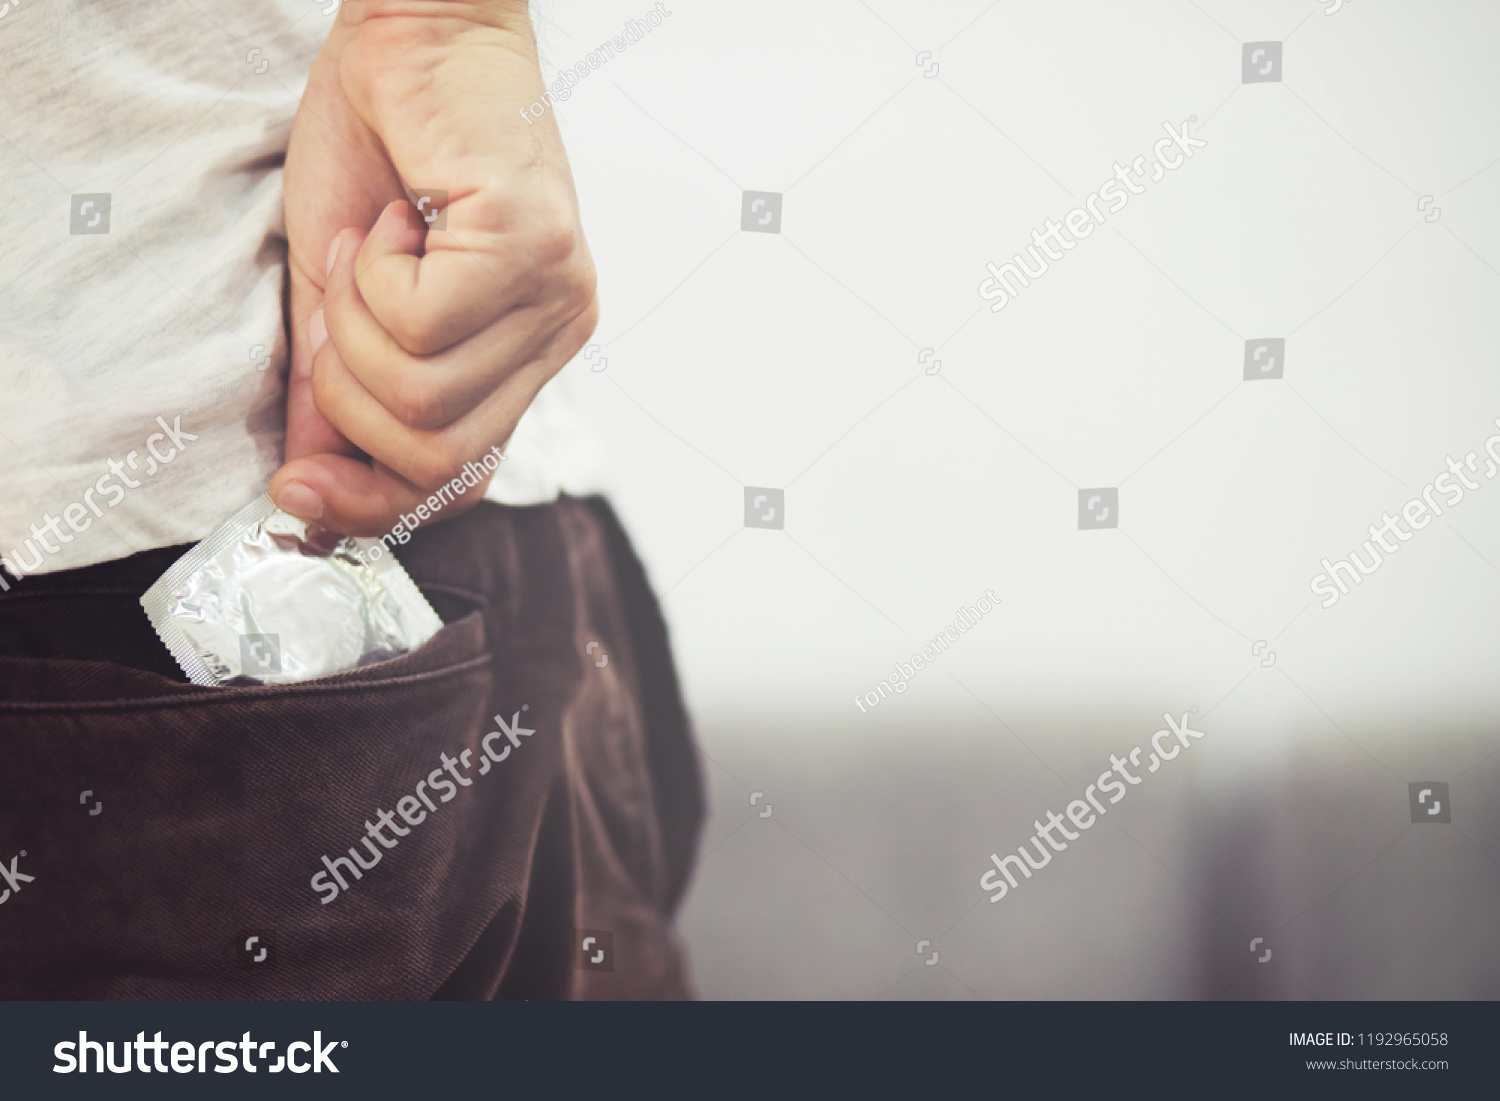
<point>484,805</point>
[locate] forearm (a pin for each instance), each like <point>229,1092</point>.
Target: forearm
<point>448,73</point>
<point>510,16</point>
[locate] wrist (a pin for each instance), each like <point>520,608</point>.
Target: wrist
<point>509,15</point>
<point>374,42</point>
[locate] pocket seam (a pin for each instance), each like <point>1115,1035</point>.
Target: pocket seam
<point>244,694</point>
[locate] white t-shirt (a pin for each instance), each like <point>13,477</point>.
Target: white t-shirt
<point>142,274</point>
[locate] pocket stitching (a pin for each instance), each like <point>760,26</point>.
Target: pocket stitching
<point>240,694</point>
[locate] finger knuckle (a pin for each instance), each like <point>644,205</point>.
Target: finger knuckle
<point>417,402</point>
<point>550,236</point>
<point>434,464</point>
<point>588,319</point>
<point>416,328</point>
<point>583,292</point>
<point>555,240</point>
<point>423,335</point>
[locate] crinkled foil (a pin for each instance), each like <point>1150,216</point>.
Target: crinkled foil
<point>270,599</point>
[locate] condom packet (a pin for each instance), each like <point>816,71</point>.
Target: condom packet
<point>270,599</point>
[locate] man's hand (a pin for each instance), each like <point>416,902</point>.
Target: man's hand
<point>415,351</point>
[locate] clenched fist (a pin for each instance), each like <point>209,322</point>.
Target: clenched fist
<point>416,350</point>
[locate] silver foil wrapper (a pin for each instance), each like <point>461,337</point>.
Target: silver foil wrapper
<point>270,599</point>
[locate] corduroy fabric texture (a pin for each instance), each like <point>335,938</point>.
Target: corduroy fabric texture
<point>217,806</point>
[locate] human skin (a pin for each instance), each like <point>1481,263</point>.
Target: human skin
<point>414,351</point>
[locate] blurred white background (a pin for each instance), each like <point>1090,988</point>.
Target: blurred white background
<point>791,360</point>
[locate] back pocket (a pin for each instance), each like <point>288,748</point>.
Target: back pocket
<point>151,830</point>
